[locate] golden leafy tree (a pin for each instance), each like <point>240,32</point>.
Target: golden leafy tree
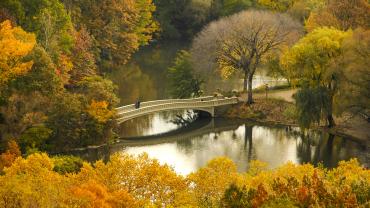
<point>211,181</point>
<point>15,44</point>
<point>142,177</point>
<point>100,111</point>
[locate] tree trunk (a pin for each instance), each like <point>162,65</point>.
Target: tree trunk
<point>330,119</point>
<point>250,98</point>
<point>245,86</point>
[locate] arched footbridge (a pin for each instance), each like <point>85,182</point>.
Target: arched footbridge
<point>210,104</point>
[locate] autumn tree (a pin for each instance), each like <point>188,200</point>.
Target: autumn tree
<point>124,172</point>
<point>341,14</point>
<point>299,9</point>
<point>354,65</point>
<point>99,110</point>
<point>211,181</point>
<point>83,59</point>
<point>10,155</point>
<point>15,44</point>
<point>118,26</point>
<point>241,42</point>
<point>92,194</point>
<point>47,19</point>
<point>21,112</point>
<point>310,64</point>
<point>277,5</point>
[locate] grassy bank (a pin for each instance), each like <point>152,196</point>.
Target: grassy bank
<point>274,111</point>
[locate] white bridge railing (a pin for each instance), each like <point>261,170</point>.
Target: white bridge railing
<point>157,102</point>
<point>205,103</point>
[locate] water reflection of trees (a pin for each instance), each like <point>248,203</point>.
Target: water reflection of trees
<point>135,126</point>
<point>248,141</point>
<point>322,148</point>
<point>133,84</point>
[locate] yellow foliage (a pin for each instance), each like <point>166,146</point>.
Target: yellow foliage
<point>127,181</point>
<point>142,177</point>
<point>211,181</point>
<point>99,110</point>
<point>15,44</point>
<point>278,5</point>
<point>309,59</point>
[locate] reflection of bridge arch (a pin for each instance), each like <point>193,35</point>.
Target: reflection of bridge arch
<point>213,126</point>
<point>207,104</point>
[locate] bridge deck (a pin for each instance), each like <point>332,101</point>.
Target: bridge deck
<point>204,103</point>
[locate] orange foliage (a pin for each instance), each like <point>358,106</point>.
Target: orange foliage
<point>7,158</point>
<point>92,194</point>
<point>99,110</point>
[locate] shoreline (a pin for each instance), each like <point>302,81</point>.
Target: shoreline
<point>238,112</point>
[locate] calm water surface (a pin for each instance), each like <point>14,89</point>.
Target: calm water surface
<point>189,149</point>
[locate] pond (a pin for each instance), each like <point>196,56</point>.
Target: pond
<point>191,148</point>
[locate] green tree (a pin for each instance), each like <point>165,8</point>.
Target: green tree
<point>42,77</point>
<point>99,89</point>
<point>64,164</point>
<point>72,126</point>
<point>310,64</point>
<point>181,19</point>
<point>183,83</point>
<point>34,138</point>
<point>230,7</point>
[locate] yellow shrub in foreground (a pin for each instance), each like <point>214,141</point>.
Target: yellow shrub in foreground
<point>127,181</point>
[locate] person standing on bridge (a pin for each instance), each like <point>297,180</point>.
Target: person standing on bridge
<point>137,104</point>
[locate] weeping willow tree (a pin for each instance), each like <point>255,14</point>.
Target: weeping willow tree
<point>312,104</point>
<point>311,63</point>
